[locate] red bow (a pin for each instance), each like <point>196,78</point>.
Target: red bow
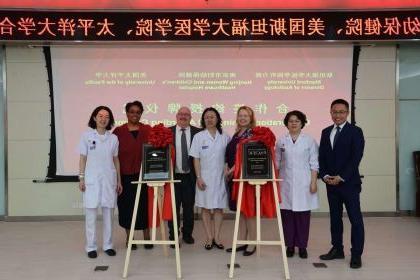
<point>263,134</point>
<point>160,136</point>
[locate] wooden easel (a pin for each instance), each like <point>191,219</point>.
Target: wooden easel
<point>157,200</point>
<point>257,183</point>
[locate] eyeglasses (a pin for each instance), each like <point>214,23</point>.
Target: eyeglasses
<point>339,112</point>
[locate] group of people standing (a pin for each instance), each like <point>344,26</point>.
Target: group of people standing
<point>205,164</point>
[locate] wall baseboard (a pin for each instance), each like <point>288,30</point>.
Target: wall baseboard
<point>227,216</point>
<point>44,218</point>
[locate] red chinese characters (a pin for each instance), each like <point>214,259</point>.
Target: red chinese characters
<point>229,26</point>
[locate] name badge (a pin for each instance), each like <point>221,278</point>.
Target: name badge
<point>204,147</point>
<point>92,145</point>
<point>282,148</point>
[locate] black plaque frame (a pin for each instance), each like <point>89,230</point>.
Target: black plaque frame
<point>161,171</point>
<point>247,164</point>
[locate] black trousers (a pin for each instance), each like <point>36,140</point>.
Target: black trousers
<point>126,201</point>
<point>185,197</point>
<point>350,197</point>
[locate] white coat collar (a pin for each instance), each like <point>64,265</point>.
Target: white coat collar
<point>211,137</point>
<point>97,135</point>
<point>301,135</point>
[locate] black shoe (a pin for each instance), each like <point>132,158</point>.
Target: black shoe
<point>356,262</point>
<point>218,246</point>
<point>92,254</point>
<point>133,246</point>
<point>290,252</point>
<point>303,254</point>
<point>110,252</point>
<point>208,246</point>
<point>188,239</point>
<point>247,253</point>
<point>173,245</point>
<point>240,248</point>
<point>171,238</point>
<point>334,253</point>
<point>148,246</point>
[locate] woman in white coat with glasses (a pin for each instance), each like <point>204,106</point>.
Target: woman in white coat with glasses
<point>297,156</point>
<point>99,177</point>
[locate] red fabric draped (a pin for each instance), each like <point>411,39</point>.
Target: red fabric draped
<point>150,209</point>
<point>166,208</point>
<point>161,137</point>
<point>248,205</point>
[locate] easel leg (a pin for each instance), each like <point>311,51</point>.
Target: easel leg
<point>154,220</point>
<point>175,224</point>
<point>162,223</point>
<point>258,202</point>
<point>235,232</point>
<point>133,223</point>
<point>279,222</point>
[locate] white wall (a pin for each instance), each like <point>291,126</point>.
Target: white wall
<point>29,118</point>
<point>409,116</point>
<point>375,113</point>
<point>28,139</point>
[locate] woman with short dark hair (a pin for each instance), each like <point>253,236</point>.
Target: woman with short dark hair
<point>99,177</point>
<point>132,135</point>
<point>297,157</point>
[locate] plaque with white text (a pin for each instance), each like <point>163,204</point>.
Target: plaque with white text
<point>256,161</point>
<point>155,163</point>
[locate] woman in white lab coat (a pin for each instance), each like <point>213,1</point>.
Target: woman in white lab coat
<point>99,177</point>
<point>208,150</point>
<point>297,156</point>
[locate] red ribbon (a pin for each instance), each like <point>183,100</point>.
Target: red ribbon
<point>248,205</point>
<point>161,137</point>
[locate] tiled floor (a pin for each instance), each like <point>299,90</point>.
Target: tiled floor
<point>54,250</point>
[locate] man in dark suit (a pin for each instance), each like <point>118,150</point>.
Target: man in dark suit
<point>184,170</point>
<point>340,152</point>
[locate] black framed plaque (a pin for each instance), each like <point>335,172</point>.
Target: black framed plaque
<point>155,163</point>
<point>256,161</point>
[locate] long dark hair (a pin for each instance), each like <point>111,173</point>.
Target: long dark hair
<point>219,119</point>
<point>92,123</point>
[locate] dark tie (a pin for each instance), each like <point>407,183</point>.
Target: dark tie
<point>336,135</point>
<point>184,151</point>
